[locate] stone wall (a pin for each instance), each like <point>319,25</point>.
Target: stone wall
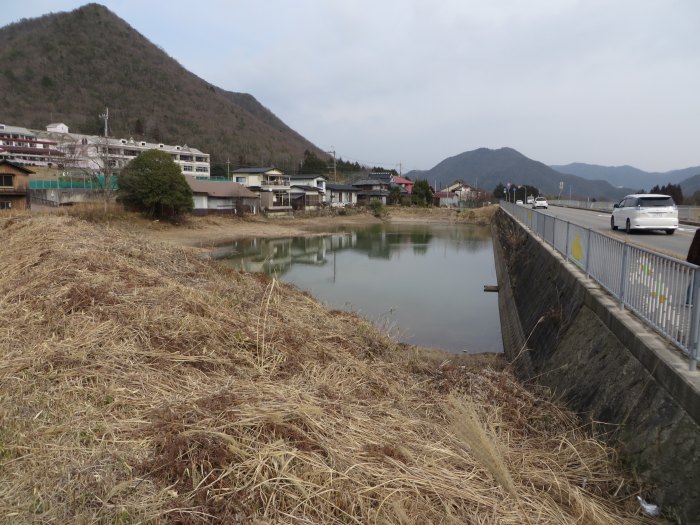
<point>631,385</point>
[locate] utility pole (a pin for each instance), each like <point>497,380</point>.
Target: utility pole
<point>228,174</point>
<point>105,117</point>
<point>335,178</point>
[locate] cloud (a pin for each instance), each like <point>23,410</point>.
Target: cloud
<point>416,80</point>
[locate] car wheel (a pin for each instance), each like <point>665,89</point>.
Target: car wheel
<point>612,223</point>
<point>628,228</point>
<point>671,231</point>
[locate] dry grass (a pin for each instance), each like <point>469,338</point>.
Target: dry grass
<point>480,216</point>
<point>140,384</point>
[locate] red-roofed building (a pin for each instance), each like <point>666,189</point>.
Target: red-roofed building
<point>405,183</point>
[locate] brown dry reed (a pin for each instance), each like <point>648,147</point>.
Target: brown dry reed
<point>142,384</point>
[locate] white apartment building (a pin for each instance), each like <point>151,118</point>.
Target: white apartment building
<point>91,151</point>
<point>23,146</point>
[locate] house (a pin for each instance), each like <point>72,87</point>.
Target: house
<point>272,185</point>
<point>445,199</point>
<point>22,146</point>
<point>215,196</point>
<point>14,186</point>
<point>370,190</point>
<point>92,152</point>
<point>464,191</point>
<point>341,195</point>
<point>305,197</point>
<point>316,181</point>
<point>404,183</point>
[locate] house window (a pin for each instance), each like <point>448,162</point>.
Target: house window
<point>200,159</point>
<point>202,169</point>
<point>5,205</point>
<point>187,168</point>
<point>6,180</point>
<point>240,180</point>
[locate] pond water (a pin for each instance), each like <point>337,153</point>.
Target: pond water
<point>423,284</point>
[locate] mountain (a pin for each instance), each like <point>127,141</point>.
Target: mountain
<point>68,67</point>
<point>628,176</point>
<point>486,168</point>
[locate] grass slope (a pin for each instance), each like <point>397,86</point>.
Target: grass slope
<point>141,384</point>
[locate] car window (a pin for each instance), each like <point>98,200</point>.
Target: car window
<point>649,202</point>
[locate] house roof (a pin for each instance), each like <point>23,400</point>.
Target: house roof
<point>370,182</point>
<point>306,177</point>
<point>341,187</point>
<point>444,194</point>
<point>254,170</point>
<point>373,193</point>
<point>402,180</point>
<point>16,166</point>
<point>220,188</point>
<point>306,187</point>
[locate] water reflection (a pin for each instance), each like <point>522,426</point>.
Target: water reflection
<point>423,283</point>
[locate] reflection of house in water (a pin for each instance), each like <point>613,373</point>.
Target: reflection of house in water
<point>276,256</point>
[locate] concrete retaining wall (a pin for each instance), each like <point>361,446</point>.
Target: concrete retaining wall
<point>563,331</point>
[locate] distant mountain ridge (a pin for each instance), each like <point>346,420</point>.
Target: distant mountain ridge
<point>486,168</point>
<point>630,176</point>
<point>67,67</point>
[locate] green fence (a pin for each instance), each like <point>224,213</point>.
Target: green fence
<point>63,183</point>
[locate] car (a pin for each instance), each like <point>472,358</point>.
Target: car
<point>540,202</point>
<point>645,211</point>
<point>530,199</point>
<point>519,201</point>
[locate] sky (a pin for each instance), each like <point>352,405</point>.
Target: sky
<point>407,83</point>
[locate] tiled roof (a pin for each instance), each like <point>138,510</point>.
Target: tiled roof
<point>16,166</point>
<point>370,182</point>
<point>254,170</point>
<point>306,187</point>
<point>341,187</point>
<point>220,188</point>
<point>306,177</point>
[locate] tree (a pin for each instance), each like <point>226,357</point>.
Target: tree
<point>153,181</point>
<point>674,190</point>
<point>394,195</point>
<point>499,191</point>
<point>312,164</point>
<point>422,194</point>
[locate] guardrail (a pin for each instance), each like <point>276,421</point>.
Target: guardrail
<point>664,292</point>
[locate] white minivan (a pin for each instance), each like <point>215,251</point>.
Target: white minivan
<point>645,211</point>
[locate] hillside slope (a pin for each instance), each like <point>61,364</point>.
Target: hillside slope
<point>628,176</point>
<point>68,67</point>
<point>142,384</point>
<point>487,167</point>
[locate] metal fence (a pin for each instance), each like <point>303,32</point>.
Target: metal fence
<point>663,291</point>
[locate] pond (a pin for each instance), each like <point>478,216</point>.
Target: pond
<point>423,284</point>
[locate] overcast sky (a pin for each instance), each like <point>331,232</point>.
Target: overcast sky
<point>413,82</point>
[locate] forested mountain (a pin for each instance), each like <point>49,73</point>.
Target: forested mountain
<point>486,168</point>
<point>67,67</point>
<point>628,176</point>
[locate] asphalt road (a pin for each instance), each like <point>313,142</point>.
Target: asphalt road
<point>675,245</point>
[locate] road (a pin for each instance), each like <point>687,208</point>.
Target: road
<point>674,245</point>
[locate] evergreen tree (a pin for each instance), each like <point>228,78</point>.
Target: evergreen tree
<point>153,182</point>
<point>422,193</point>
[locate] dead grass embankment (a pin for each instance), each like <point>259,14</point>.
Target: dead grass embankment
<point>141,384</point>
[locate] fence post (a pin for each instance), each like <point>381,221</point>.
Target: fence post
<point>623,274</point>
<point>695,322</point>
<point>566,247</point>
<point>588,251</point>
